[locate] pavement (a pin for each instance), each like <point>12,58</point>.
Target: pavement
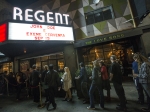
<point>9,103</point>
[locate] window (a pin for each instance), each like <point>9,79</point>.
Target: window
<point>99,15</point>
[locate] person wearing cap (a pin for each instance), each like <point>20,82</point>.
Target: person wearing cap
<point>96,84</point>
<point>53,81</point>
<point>115,77</point>
<point>84,85</point>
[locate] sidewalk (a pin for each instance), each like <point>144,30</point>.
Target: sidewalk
<point>8,104</point>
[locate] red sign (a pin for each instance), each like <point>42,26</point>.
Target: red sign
<point>3,32</point>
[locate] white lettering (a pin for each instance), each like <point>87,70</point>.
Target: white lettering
<point>66,18</point>
<point>27,14</point>
<point>56,16</point>
<point>15,14</point>
<point>42,16</point>
<point>49,19</point>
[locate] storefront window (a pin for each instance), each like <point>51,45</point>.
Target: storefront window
<point>105,51</point>
<point>6,67</point>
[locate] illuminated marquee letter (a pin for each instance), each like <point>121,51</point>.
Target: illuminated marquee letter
<point>27,14</point>
<point>60,16</point>
<point>15,14</point>
<point>49,19</point>
<point>66,18</point>
<point>42,16</point>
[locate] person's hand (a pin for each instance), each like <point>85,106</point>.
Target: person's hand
<point>76,77</point>
<point>59,88</point>
<point>90,78</point>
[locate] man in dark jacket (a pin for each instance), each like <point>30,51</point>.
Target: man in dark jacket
<point>115,77</point>
<point>34,80</point>
<point>84,86</point>
<point>53,81</point>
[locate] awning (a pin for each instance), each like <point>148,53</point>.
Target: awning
<point>108,37</point>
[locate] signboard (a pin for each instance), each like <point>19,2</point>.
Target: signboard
<point>39,16</point>
<point>3,32</point>
<point>22,31</point>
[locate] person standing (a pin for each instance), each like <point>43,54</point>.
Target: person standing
<point>45,87</point>
<point>67,84</point>
<point>19,86</point>
<point>135,72</point>
<point>53,81</point>
<point>105,79</point>
<point>144,78</point>
<point>96,84</point>
<point>84,85</point>
<point>116,78</point>
<point>34,80</point>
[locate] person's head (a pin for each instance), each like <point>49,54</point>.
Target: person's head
<point>46,67</point>
<point>95,63</point>
<point>112,58</point>
<point>66,69</point>
<point>51,66</point>
<point>81,64</point>
<point>30,69</point>
<point>101,63</point>
<point>136,57</point>
<point>34,67</point>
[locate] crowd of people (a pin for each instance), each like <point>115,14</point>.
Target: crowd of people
<point>100,79</point>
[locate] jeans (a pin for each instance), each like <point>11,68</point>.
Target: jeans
<point>139,89</point>
<point>91,92</point>
<point>84,89</point>
<point>146,88</point>
<point>120,92</point>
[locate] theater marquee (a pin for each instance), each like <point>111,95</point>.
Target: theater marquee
<point>23,31</point>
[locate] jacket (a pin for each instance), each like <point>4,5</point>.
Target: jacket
<point>52,79</point>
<point>35,79</point>
<point>104,73</point>
<point>67,83</point>
<point>96,78</point>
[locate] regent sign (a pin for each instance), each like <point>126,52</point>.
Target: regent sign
<point>23,31</point>
<point>39,16</point>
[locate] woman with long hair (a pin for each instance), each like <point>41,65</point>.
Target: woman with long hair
<point>67,84</point>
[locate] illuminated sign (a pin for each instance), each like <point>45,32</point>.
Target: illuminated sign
<point>22,31</point>
<point>104,39</point>
<point>40,16</point>
<point>3,32</point>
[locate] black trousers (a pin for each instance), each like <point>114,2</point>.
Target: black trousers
<point>51,95</point>
<point>19,87</point>
<point>85,90</point>
<point>36,94</point>
<point>120,92</point>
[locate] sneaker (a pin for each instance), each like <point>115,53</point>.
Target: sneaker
<point>90,108</point>
<point>102,106</point>
<point>145,110</point>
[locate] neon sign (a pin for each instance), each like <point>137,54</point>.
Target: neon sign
<point>40,16</point>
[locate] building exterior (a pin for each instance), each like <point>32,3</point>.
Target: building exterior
<point>100,30</point>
